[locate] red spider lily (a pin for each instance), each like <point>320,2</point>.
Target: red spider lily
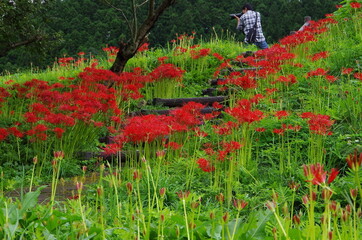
<point>317,72</point>
<point>243,113</point>
<point>317,176</point>
<point>143,48</point>
<point>162,59</point>
<point>318,123</point>
<point>205,165</point>
<point>65,61</point>
<point>347,71</point>
<point>239,204</point>
<point>59,119</point>
<point>111,51</point>
<point>199,133</point>
<point>354,160</point>
<point>231,146</point>
<point>279,131</point>
<point>147,128</point>
<point>189,115</point>
<point>260,129</point>
<point>94,75</point>
<point>355,5</point>
<point>281,114</point>
<point>58,132</point>
<point>217,105</point>
<point>3,134</point>
<point>358,75</point>
<point>331,78</point>
<point>167,71</point>
<point>218,56</point>
<point>290,79</point>
<point>244,82</point>
<point>320,55</point>
<point>195,54</point>
<point>15,132</point>
<point>74,197</point>
<point>225,128</point>
<point>173,145</point>
<point>270,91</point>
<point>223,65</point>
<point>256,99</point>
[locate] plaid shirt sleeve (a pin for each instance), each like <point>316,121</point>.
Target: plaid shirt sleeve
<point>247,22</point>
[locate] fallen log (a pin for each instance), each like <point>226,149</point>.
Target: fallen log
<point>179,102</point>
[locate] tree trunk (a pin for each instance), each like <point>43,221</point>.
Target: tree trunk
<point>129,49</point>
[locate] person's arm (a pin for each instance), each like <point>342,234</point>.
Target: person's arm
<point>239,25</point>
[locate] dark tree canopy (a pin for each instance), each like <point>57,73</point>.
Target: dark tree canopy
<point>89,25</point>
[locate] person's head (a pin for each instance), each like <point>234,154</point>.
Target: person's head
<point>246,7</point>
<point>307,18</point>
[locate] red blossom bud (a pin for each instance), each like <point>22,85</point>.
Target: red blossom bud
<point>162,192</point>
<point>354,193</point>
<point>137,175</point>
<point>239,204</point>
<point>100,191</point>
<point>79,186</point>
<point>195,205</point>
<point>220,198</point>
<point>225,217</point>
<point>35,159</point>
<point>129,187</point>
<point>296,219</point>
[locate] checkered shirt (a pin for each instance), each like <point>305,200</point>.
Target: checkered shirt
<point>247,22</point>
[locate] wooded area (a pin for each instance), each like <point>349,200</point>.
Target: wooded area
<point>34,34</point>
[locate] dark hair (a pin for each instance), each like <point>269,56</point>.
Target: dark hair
<point>247,6</point>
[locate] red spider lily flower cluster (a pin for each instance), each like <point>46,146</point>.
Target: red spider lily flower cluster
<point>318,123</point>
<point>281,114</point>
<point>111,51</point>
<point>346,71</point>
<point>320,55</point>
<point>205,165</point>
<point>243,112</point>
<point>317,72</point>
<point>65,61</point>
<point>167,71</point>
<point>355,5</point>
<point>57,107</point>
<point>143,48</point>
<point>358,76</point>
<point>287,80</point>
<point>195,54</point>
<point>151,127</point>
<point>286,127</point>
<point>317,176</point>
<point>227,148</point>
<point>236,78</point>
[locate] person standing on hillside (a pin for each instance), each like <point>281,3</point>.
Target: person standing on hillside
<point>246,22</point>
<point>307,20</point>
